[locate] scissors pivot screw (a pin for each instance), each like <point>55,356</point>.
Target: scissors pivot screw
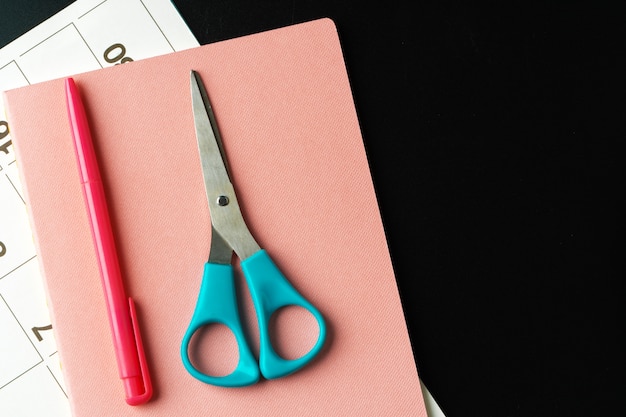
<point>222,201</point>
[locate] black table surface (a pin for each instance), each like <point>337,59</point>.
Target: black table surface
<point>493,132</point>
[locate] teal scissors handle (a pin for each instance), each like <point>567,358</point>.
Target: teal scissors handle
<point>217,304</point>
<point>271,291</point>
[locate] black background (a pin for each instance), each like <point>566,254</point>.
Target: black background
<point>494,135</point>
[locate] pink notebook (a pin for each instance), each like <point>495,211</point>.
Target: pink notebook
<point>283,102</point>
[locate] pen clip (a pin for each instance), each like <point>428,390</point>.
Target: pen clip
<point>133,397</point>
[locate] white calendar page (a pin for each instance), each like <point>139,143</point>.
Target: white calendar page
<point>87,35</point>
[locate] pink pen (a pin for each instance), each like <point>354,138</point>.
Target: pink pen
<point>131,360</point>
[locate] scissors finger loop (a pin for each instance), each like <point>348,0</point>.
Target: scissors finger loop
<point>271,291</point>
<point>217,304</point>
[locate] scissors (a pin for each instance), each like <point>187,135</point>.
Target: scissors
<point>217,300</point>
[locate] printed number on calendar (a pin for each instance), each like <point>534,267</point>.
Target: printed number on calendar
<point>4,132</point>
<point>115,53</point>
<point>38,330</point>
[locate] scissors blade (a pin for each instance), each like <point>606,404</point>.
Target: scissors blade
<point>221,252</point>
<point>214,165</point>
<point>226,217</point>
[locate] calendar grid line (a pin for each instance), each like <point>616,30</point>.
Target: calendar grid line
<point>21,375</point>
<point>18,67</point>
<point>92,9</point>
<point>17,267</point>
<point>7,64</point>
<point>157,25</point>
<point>21,327</point>
<point>57,381</point>
<point>42,41</point>
<point>15,188</point>
<point>87,45</point>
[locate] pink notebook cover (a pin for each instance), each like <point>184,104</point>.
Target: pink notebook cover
<point>283,102</point>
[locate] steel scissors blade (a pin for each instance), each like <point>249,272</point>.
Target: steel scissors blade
<point>217,300</point>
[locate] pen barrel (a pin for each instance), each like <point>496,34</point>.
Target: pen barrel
<point>111,276</point>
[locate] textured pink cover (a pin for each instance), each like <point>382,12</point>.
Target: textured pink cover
<point>284,105</point>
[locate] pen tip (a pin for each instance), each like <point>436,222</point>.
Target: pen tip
<point>70,87</point>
